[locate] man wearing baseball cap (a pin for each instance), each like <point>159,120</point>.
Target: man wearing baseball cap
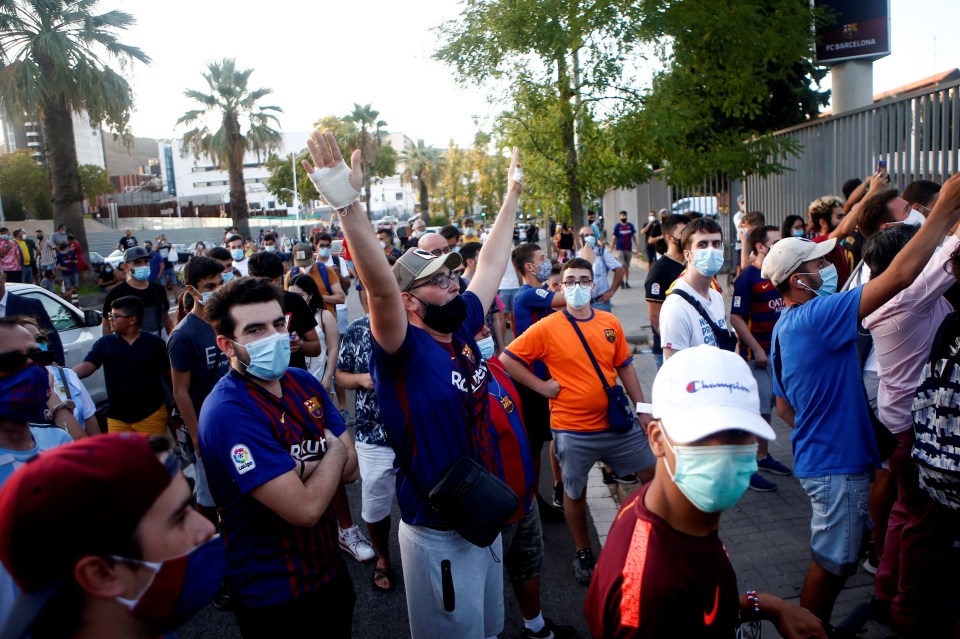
<point>432,383</point>
<point>156,306</point>
<point>817,382</point>
<point>146,561</point>
<point>664,571</point>
<point>326,279</point>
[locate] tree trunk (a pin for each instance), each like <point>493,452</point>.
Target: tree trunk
<point>238,195</point>
<point>424,201</point>
<point>567,129</point>
<point>61,151</point>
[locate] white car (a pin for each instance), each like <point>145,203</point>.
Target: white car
<point>114,259</point>
<point>78,331</point>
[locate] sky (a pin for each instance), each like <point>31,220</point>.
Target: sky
<point>321,57</point>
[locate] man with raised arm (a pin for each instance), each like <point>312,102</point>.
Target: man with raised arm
<point>432,385</point>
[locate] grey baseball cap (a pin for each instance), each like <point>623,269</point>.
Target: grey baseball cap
<point>135,253</point>
<point>416,264</point>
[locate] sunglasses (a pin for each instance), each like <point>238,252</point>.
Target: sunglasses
<point>441,280</point>
<point>443,251</point>
<point>12,361</point>
<point>114,316</point>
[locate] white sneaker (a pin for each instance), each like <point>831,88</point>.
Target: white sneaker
<point>353,541</point>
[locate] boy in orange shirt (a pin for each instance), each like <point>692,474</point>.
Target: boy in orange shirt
<point>578,401</point>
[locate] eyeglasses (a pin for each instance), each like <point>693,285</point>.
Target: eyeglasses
<point>440,280</point>
<point>583,281</point>
<point>114,316</point>
<point>323,246</point>
<point>438,252</point>
<point>15,360</point>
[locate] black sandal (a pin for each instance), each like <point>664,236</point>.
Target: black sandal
<point>379,575</point>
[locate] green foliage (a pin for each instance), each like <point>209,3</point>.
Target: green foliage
<point>94,182</point>
<point>24,185</point>
<point>423,168</point>
<point>438,220</point>
<point>280,182</point>
<point>734,70</point>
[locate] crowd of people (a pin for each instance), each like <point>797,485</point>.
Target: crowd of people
<point>476,358</point>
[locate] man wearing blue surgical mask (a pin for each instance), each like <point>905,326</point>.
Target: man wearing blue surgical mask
<point>604,263</point>
<point>704,434</point>
<point>817,378</point>
<point>196,364</point>
<point>234,244</point>
<point>682,324</point>
<point>156,305</point>
<point>275,450</point>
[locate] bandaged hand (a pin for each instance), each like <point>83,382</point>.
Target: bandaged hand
<point>333,185</point>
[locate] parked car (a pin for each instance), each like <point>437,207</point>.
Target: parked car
<point>78,330</point>
<point>114,259</point>
<point>705,205</point>
<point>184,253</point>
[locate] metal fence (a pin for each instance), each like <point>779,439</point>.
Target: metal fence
<point>916,134</point>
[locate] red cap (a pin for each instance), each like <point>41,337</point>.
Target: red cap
<point>106,484</point>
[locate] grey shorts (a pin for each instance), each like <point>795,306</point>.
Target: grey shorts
<point>627,452</point>
<point>764,377</point>
<point>523,546</point>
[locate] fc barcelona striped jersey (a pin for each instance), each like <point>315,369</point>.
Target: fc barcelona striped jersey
<point>248,437</point>
<point>757,301</point>
<point>512,460</point>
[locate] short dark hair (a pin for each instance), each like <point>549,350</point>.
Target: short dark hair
<point>219,253</point>
<point>522,255</point>
<point>755,218</point>
<point>232,238</point>
<point>269,236</point>
<point>699,225</point>
<point>450,232</point>
<point>849,187</point>
<point>324,236</point>
<point>874,213</point>
<point>759,235</point>
<point>577,262</point>
<point>200,268</point>
<point>238,292</point>
<point>788,222</point>
<point>264,264</point>
<point>470,251</point>
<point>881,247</point>
<point>920,192</point>
<point>130,303</point>
<point>386,231</point>
<point>672,221</point>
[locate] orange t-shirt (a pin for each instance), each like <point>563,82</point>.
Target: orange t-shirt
<point>581,405</point>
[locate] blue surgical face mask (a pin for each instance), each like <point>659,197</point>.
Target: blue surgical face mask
<point>269,356</point>
<point>708,261</point>
<point>227,276</point>
<point>543,272</point>
<point>798,233</point>
<point>577,296</point>
<point>487,347</point>
<point>712,478</point>
<point>270,249</point>
<point>323,252</point>
<point>236,254</point>
<point>828,274</point>
<point>204,297</point>
<point>141,273</point>
<point>591,240</point>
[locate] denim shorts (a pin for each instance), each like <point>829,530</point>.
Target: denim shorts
<point>841,510</point>
<point>506,296</point>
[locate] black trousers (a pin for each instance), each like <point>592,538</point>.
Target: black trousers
<point>327,612</point>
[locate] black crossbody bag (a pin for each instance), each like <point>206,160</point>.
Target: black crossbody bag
<point>620,411</point>
<point>725,339</point>
<point>468,498</point>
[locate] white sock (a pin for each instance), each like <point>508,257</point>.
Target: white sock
<point>536,624</point>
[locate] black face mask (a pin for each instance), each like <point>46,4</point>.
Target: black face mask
<point>445,318</point>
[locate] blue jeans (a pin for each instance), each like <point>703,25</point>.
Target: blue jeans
<point>601,306</point>
<point>840,506</point>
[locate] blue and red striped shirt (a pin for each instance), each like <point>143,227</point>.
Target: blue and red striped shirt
<point>249,437</point>
<point>512,461</point>
<point>758,302</point>
<point>529,307</point>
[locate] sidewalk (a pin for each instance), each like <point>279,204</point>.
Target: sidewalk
<point>767,535</point>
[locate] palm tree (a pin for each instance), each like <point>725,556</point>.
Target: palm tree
<point>232,104</point>
<point>53,62</point>
<point>425,164</point>
<point>368,140</point>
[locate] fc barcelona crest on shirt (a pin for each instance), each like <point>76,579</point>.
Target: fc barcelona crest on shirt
<point>314,407</point>
<point>468,353</point>
<point>610,334</point>
<point>507,404</point>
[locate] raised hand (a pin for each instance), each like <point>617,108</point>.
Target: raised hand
<point>328,169</point>
<point>513,184</point>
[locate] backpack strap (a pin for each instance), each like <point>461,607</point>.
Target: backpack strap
<point>322,270</point>
<point>703,312</point>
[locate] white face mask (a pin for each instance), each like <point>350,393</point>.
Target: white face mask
<point>915,218</point>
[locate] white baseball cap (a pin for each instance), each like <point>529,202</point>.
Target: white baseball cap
<point>789,253</point>
<point>704,390</point>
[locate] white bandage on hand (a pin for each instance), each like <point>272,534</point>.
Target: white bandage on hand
<point>518,175</point>
<point>333,185</point>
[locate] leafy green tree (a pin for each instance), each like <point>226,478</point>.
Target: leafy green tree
<point>94,182</point>
<point>54,57</point>
<point>368,141</point>
<point>280,182</point>
<point>244,125</point>
<point>24,185</point>
<point>732,73</point>
<point>423,168</point>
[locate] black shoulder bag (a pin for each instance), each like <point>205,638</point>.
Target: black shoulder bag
<point>725,339</point>
<point>470,499</point>
<point>886,442</point>
<point>620,410</point>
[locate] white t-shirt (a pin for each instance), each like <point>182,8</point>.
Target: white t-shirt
<point>242,266</point>
<point>84,406</point>
<point>510,279</point>
<point>681,326</point>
